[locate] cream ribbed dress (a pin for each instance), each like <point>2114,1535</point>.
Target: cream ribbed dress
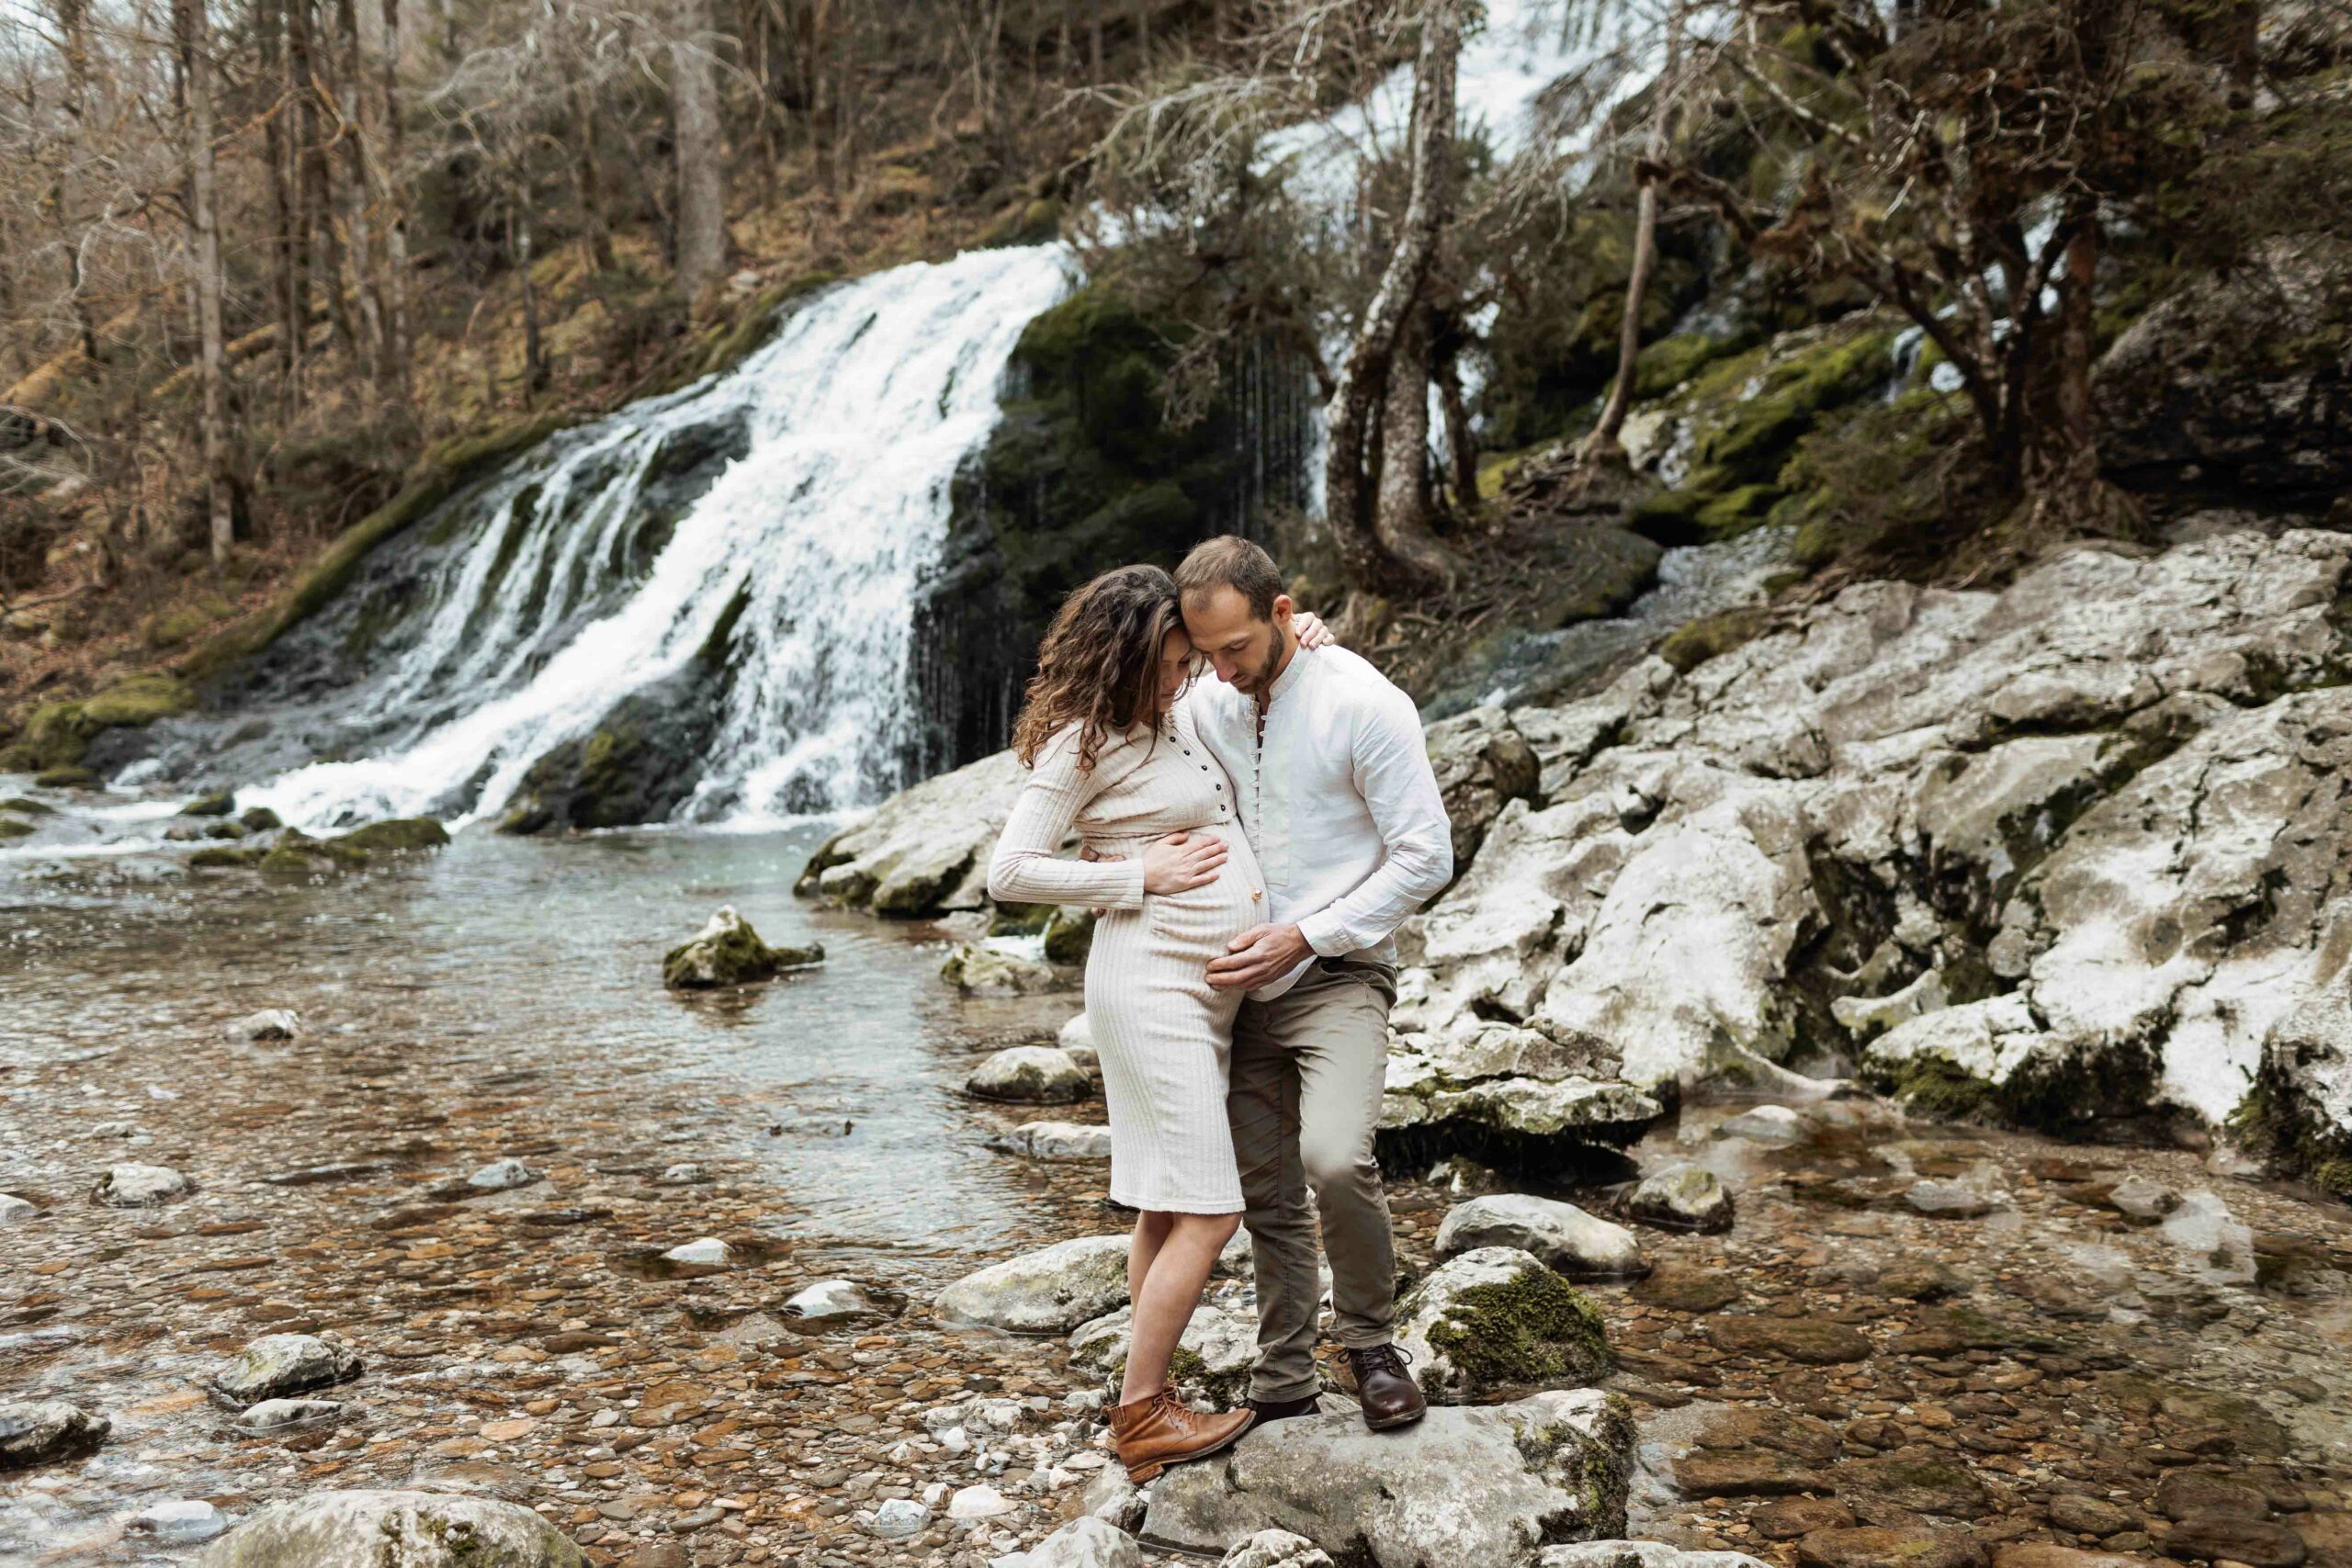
<point>1165,1035</point>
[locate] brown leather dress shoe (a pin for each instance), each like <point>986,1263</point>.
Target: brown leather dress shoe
<point>1389,1395</point>
<point>1152,1434</point>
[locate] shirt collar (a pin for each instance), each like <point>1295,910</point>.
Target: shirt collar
<point>1289,679</point>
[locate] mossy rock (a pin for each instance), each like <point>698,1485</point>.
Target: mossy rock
<point>58,733</point>
<point>260,819</point>
<point>728,952</point>
<point>171,628</point>
<point>24,805</point>
<point>16,827</point>
<point>1032,223</point>
<point>1671,361</point>
<point>1712,635</point>
<point>219,803</point>
<point>298,851</point>
<point>219,855</point>
<point>1495,1318</point>
<point>1070,938</point>
<point>225,829</point>
<point>399,833</point>
<point>63,778</point>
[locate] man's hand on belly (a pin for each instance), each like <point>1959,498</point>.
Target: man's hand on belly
<point>1257,955</point>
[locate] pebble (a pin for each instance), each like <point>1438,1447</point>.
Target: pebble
<point>183,1521</point>
<point>710,1252</point>
<point>140,1186</point>
<point>270,1023</point>
<point>13,1208</point>
<point>499,1176</point>
<point>899,1517</point>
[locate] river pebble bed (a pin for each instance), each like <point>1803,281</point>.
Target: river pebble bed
<point>489,1125</point>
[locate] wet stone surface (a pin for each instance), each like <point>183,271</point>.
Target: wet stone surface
<point>1839,1378</point>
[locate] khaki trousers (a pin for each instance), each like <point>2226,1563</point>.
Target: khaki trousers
<point>1306,1078</point>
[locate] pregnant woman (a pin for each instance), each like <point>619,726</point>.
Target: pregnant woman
<point>1113,756</point>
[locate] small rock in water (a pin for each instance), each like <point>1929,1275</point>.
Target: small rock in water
<point>981,971</point>
<point>833,1301</point>
<point>1572,1242</point>
<point>279,1364</point>
<point>1057,1141</point>
<point>13,1208</point>
<point>270,1415</point>
<point>1031,1073</point>
<point>686,1174</point>
<point>42,1431</point>
<point>1681,1197</point>
<point>899,1517</point>
<point>708,1252</point>
<point>2142,1199</point>
<point>270,1023</point>
<point>1765,1124</point>
<point>115,1130</point>
<point>183,1521</point>
<point>1276,1549</point>
<point>406,1529</point>
<point>1639,1554</point>
<point>1948,1200</point>
<point>1077,1041</point>
<point>981,1502</point>
<point>2091,1515</point>
<point>728,952</point>
<point>501,1175</point>
<point>140,1186</point>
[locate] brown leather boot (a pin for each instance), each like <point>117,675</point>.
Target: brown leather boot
<point>1387,1392</point>
<point>1154,1433</point>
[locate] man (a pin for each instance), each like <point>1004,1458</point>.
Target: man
<point>1337,794</point>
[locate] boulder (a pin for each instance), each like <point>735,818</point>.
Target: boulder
<point>1496,1316</point>
<point>728,952</point>
<point>1466,1487</point>
<point>1213,1359</point>
<point>180,1521</point>
<point>1682,1197</point>
<point>1030,1074</point>
<point>270,1023</point>
<point>1077,1039</point>
<point>896,1518</point>
<point>1276,1549</point>
<point>1504,1093</point>
<point>1051,1291</point>
<point>276,1365</point>
<point>393,1530</point>
<point>398,836</point>
<point>1055,1141</point>
<point>140,1186</point>
<point>44,1431</point>
<point>1569,1240</point>
<point>1482,765</point>
<point>1765,1124</point>
<point>924,851</point>
<point>979,970</point>
<point>1086,1542</point>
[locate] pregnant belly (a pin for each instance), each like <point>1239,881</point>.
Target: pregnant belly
<point>1219,911</point>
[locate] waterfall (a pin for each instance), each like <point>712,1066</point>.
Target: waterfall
<point>799,570</point>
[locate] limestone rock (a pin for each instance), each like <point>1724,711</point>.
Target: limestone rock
<point>1035,1075</point>
<point>1276,1549</point>
<point>1681,1197</point>
<point>1055,1141</point>
<point>1482,765</point>
<point>1085,1542</point>
<point>42,1431</point>
<point>270,1023</point>
<point>393,1530</point>
<point>1466,1488</point>
<point>1876,1546</point>
<point>978,1501</point>
<point>979,970</point>
<point>273,1415</point>
<point>923,851</point>
<point>833,1301</point>
<point>728,952</point>
<point>896,1518</point>
<point>1569,1240</point>
<point>13,1208</point>
<point>1213,1357</point>
<point>1051,1291</point>
<point>503,1174</point>
<point>181,1521</point>
<point>140,1186</point>
<point>1076,1038</point>
<point>1765,1124</point>
<point>1498,1315</point>
<point>276,1365</point>
<point>703,1252</point>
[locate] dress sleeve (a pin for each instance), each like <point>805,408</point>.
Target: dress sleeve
<point>1028,867</point>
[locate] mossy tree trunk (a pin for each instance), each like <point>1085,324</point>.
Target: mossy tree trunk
<point>1360,394</point>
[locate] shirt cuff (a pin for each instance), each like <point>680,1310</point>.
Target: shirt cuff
<point>1130,896</point>
<point>1326,934</point>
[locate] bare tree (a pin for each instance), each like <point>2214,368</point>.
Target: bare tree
<point>701,150</point>
<point>192,36</point>
<point>1602,444</point>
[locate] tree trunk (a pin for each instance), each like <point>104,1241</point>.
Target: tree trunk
<point>317,170</point>
<point>1461,440</point>
<point>360,244</point>
<point>204,235</point>
<point>1401,515</point>
<point>535,364</point>
<point>702,195</point>
<point>1364,372</point>
<point>588,177</point>
<point>1603,444</point>
<point>285,284</point>
<point>392,198</point>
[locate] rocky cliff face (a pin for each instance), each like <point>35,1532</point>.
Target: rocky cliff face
<point>2068,853</point>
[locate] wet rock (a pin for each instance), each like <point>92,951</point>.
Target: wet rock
<point>833,1301</point>
<point>1466,1488</point>
<point>979,970</point>
<point>2080,1515</point>
<point>1055,1141</point>
<point>272,1414</point>
<point>728,952</point>
<point>2142,1198</point>
<point>1213,1357</point>
<point>13,1208</point>
<point>1566,1238</point>
<point>1114,1499</point>
<point>393,1530</point>
<point>1276,1549</point>
<point>182,1521</point>
<point>270,1023</point>
<point>2184,1493</point>
<point>1948,1200</point>
<point>705,1252</point>
<point>1639,1554</point>
<point>1082,1543</point>
<point>2223,1538</point>
<point>1917,1480</point>
<point>1765,1124</point>
<point>685,1173</point>
<point>1051,1291</point>
<point>1811,1340</point>
<point>1920,1281</point>
<point>1496,1316</point>
<point>140,1186</point>
<point>1483,764</point>
<point>44,1431</point>
<point>1430,1097</point>
<point>2041,1554</point>
<point>981,1502</point>
<point>276,1365</point>
<point>396,835</point>
<point>219,803</point>
<point>924,850</point>
<point>1874,1546</point>
<point>1035,1075</point>
<point>1682,1198</point>
<point>1786,1518</point>
<point>1076,1038</point>
<point>501,1176</point>
<point>1688,1287</point>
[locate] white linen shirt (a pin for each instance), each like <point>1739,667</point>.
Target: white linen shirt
<point>1339,802</point>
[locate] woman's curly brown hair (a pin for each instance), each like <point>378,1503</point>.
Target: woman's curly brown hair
<point>1099,666</point>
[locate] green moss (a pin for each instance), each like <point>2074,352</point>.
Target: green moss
<point>61,778</point>
<point>219,803</point>
<point>1714,635</point>
<point>1934,1087</point>
<point>24,807</point>
<point>1534,1327</point>
<point>228,855</point>
<point>1031,223</point>
<point>734,956</point>
<point>12,827</point>
<point>1070,938</point>
<point>260,819</point>
<point>1670,361</point>
<point>399,833</point>
<point>756,324</point>
<point>2275,1126</point>
<point>170,628</point>
<point>58,733</point>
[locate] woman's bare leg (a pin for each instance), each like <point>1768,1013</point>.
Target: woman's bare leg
<point>1171,1289</point>
<point>1143,1244</point>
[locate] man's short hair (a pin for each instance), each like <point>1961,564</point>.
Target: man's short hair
<point>1231,561</point>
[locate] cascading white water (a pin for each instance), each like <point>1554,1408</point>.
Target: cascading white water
<point>858,415</point>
